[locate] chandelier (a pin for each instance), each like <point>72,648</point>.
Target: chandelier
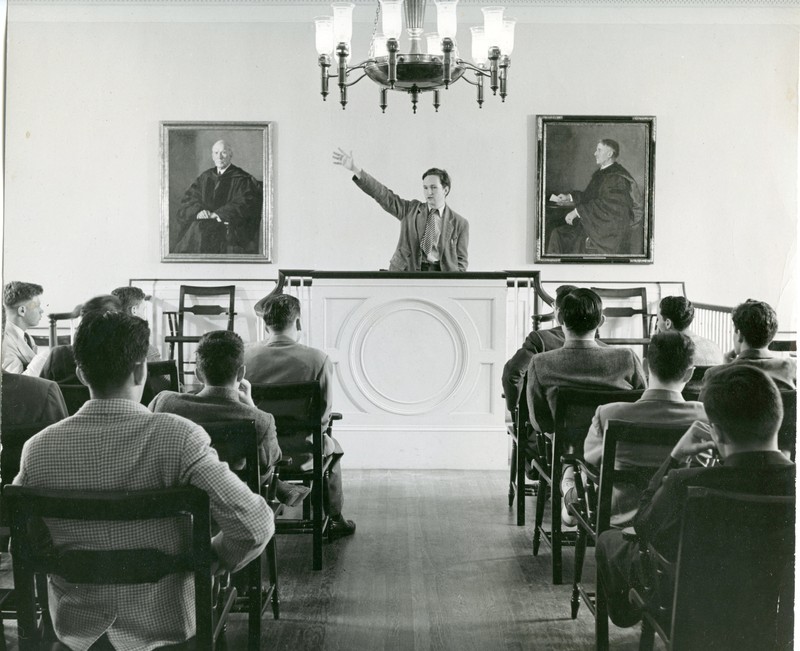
<point>416,72</point>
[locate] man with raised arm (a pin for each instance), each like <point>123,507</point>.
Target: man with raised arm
<point>433,237</point>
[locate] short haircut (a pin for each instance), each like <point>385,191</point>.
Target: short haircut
<point>744,401</point>
<point>613,144</point>
<point>677,309</point>
<point>129,297</point>
<point>561,292</point>
<point>670,355</point>
<point>108,345</point>
<point>581,311</point>
<point>219,356</point>
<point>103,303</point>
<point>17,293</point>
<point>280,311</point>
<point>444,177</point>
<point>756,321</point>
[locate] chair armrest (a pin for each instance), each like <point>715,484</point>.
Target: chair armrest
<point>335,415</point>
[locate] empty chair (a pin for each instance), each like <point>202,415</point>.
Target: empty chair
<point>633,306</point>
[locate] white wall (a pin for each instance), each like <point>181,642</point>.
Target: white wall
<point>88,84</point>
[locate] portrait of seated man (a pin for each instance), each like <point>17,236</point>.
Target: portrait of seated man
<point>221,210</point>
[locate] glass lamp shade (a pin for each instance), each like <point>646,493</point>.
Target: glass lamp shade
<point>342,22</point>
<point>480,50</point>
<point>392,18</point>
<point>379,46</point>
<point>493,25</point>
<point>324,34</point>
<point>507,40</point>
<point>446,20</point>
<point>434,43</point>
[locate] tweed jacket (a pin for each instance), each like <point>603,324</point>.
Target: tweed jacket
<point>580,364</point>
<point>413,216</point>
<point>31,401</point>
<point>515,369</point>
<point>783,370</point>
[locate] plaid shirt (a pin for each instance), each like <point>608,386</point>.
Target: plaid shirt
<point>118,445</point>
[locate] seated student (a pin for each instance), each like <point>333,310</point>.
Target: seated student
<point>23,310</point>
<point>283,360</point>
<point>537,341</point>
<point>669,362</point>
<point>226,396</point>
<point>30,401</point>
<point>754,326</point>
<point>113,444</point>
<point>677,313</point>
<point>745,410</point>
<point>132,300</point>
<point>581,362</point>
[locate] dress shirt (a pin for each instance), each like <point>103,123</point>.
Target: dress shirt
<point>118,445</point>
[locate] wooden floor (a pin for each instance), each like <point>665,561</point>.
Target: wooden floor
<point>436,563</point>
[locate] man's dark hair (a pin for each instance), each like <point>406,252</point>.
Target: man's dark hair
<point>744,401</point>
<point>561,292</point>
<point>444,177</point>
<point>613,144</point>
<point>219,356</point>
<point>677,309</point>
<point>670,355</point>
<point>108,345</point>
<point>756,321</point>
<point>129,297</point>
<point>103,303</point>
<point>280,311</point>
<point>581,311</point>
<point>16,293</point>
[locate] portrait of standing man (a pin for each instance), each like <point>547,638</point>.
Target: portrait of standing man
<point>600,212</point>
<point>217,192</point>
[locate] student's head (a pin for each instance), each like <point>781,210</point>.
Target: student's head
<point>669,356</point>
<point>103,303</point>
<point>436,187</point>
<point>281,312</point>
<point>132,300</point>
<point>109,347</point>
<point>220,358</point>
<point>744,403</point>
<point>581,311</point>
<point>23,303</point>
<point>561,292</point>
<point>756,322</point>
<point>675,312</point>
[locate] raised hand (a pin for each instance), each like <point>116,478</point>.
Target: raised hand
<point>341,157</point>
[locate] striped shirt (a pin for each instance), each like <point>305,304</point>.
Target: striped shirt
<point>116,445</point>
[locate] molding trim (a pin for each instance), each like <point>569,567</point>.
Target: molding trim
<point>571,4</point>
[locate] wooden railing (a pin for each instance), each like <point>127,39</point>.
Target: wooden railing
<point>714,322</point>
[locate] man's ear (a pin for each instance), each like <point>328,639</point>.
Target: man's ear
<point>668,324</point>
<point>602,320</point>
<point>140,373</point>
<point>559,318</point>
<point>240,373</point>
<point>738,336</point>
<point>81,376</point>
<point>688,375</point>
<point>298,325</point>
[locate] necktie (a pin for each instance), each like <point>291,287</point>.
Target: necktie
<point>30,342</point>
<point>432,232</point>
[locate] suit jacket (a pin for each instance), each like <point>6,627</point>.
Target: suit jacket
<point>516,368</point>
<point>655,407</point>
<point>413,216</point>
<point>31,400</point>
<point>17,354</point>
<point>579,364</point>
<point>283,360</point>
<point>221,404</point>
<point>781,369</point>
<point>661,506</point>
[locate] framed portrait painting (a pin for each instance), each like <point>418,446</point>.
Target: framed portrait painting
<point>216,191</point>
<point>595,182</point>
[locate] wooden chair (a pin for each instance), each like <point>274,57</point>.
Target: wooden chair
<point>177,320</point>
<point>574,409</point>
<point>297,409</point>
<point>161,376</point>
<point>787,434</point>
<point>117,566</point>
<point>593,508</point>
<point>235,440</point>
<point>627,296</point>
<point>518,486</point>
<point>732,584</point>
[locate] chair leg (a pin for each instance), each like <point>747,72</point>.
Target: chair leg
<point>521,481</point>
<point>318,522</point>
<point>272,563</point>
<point>512,478</point>
<point>601,618</point>
<point>541,501</point>
<point>647,638</point>
<point>580,554</point>
<point>555,525</point>
<point>254,605</point>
